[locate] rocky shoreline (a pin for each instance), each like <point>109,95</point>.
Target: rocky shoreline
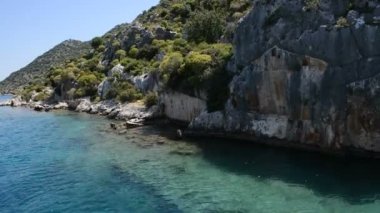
<point>134,114</point>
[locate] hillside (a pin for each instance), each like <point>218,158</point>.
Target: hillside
<point>41,65</point>
<point>299,73</point>
<point>172,42</point>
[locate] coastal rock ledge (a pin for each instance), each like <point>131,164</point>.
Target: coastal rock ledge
<point>301,79</point>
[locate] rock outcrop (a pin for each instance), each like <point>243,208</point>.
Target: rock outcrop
<point>181,107</point>
<point>302,78</point>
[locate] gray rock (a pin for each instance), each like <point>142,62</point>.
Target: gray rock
<point>304,81</point>
<point>17,102</point>
<point>146,82</point>
<point>61,105</point>
<point>84,105</point>
<point>164,34</point>
<point>104,88</point>
<point>116,70</point>
<point>294,97</point>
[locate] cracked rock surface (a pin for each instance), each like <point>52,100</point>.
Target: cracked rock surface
<point>302,78</point>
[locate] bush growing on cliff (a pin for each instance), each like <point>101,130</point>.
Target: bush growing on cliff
<point>179,9</point>
<point>123,91</point>
<point>88,80</point>
<point>120,54</point>
<point>42,96</point>
<point>312,4</point>
<point>96,42</point>
<point>197,62</point>
<point>342,22</point>
<point>191,74</point>
<point>150,99</point>
<point>170,64</point>
<point>133,52</point>
<point>206,26</point>
<point>87,85</point>
<point>147,52</point>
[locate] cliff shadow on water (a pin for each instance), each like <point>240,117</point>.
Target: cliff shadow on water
<point>355,180</point>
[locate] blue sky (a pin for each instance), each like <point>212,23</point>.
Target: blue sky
<point>28,28</point>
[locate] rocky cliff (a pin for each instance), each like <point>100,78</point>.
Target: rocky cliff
<point>40,66</point>
<point>305,74</point>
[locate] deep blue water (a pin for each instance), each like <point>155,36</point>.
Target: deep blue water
<point>68,162</point>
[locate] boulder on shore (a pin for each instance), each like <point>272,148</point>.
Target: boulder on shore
<point>61,105</point>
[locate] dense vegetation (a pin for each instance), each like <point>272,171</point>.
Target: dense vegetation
<point>190,57</point>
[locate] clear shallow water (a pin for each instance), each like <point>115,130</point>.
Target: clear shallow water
<point>67,162</point>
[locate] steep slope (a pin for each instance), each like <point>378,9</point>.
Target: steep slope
<point>180,45</point>
<point>307,74</point>
<point>40,66</point>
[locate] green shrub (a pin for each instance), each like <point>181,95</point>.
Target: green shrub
<point>239,5</point>
<point>179,9</point>
<point>127,92</point>
<point>238,15</point>
<point>171,62</point>
<point>87,83</point>
<point>219,51</point>
<point>134,66</point>
<point>342,22</point>
<point>312,4</point>
<point>96,42</point>
<point>147,52</point>
<point>206,26</point>
<point>150,99</point>
<point>192,73</point>
<point>26,95</point>
<point>42,96</point>
<point>57,79</point>
<point>116,44</point>
<point>123,91</point>
<point>163,13</point>
<point>67,76</point>
<point>180,45</point>
<point>88,80</point>
<point>79,93</point>
<point>115,62</point>
<point>120,54</point>
<point>91,64</point>
<point>196,62</point>
<point>101,48</point>
<point>133,52</point>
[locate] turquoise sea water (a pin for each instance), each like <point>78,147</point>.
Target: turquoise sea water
<point>68,162</point>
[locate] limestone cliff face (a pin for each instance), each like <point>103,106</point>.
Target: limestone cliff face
<point>181,107</point>
<point>302,76</point>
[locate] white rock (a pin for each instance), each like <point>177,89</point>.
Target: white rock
<point>61,105</point>
<point>84,105</point>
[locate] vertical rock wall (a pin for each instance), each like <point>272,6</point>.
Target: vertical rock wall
<point>303,78</point>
